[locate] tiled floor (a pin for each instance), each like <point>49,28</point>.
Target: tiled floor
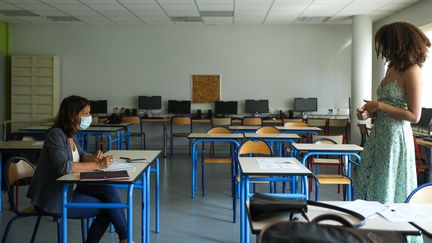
<point>183,219</point>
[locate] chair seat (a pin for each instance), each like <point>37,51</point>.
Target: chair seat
<point>215,160</point>
<point>325,161</point>
<point>333,179</point>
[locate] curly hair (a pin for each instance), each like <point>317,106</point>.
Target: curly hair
<point>67,116</point>
<point>402,45</point>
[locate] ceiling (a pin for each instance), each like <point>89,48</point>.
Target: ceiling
<point>209,12</point>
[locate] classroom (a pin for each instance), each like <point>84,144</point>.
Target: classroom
<point>215,106</point>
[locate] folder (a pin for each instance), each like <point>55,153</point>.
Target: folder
<point>104,175</point>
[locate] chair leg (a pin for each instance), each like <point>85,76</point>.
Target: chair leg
<point>83,230</point>
<point>316,190</point>
<point>5,234</point>
<point>144,141</point>
<point>59,233</point>
<point>35,229</point>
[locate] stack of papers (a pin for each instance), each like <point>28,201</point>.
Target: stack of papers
<point>117,166</point>
<point>365,208</point>
<point>277,163</point>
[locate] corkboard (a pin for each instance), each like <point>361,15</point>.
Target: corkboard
<point>205,88</point>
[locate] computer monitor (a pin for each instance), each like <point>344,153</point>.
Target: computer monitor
<point>256,106</point>
<point>305,104</point>
<point>425,119</point>
<point>179,106</point>
<point>99,106</point>
<point>149,102</point>
<point>226,107</point>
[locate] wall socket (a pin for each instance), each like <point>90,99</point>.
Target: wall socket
<point>330,110</point>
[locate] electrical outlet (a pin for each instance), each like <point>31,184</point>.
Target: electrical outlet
<point>330,110</point>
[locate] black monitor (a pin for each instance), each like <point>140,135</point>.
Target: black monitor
<point>226,107</point>
<point>99,106</point>
<point>179,106</point>
<point>256,106</point>
<point>305,104</point>
<point>149,102</point>
<point>425,118</point>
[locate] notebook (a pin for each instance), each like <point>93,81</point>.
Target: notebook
<point>104,175</point>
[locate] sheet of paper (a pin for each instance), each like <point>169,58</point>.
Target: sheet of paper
<point>394,214</point>
<point>119,165</point>
<point>277,163</point>
<point>365,208</point>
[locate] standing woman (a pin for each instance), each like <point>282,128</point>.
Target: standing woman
<point>62,155</point>
<point>388,171</point>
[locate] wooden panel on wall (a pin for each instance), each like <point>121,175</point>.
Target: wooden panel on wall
<point>205,88</point>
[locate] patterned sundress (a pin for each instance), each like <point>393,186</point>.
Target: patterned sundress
<point>387,171</point>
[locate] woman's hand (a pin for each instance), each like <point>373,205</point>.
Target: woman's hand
<point>371,106</point>
<point>98,155</point>
<point>363,114</point>
<point>105,161</point>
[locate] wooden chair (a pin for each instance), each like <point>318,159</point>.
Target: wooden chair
<point>297,120</point>
<point>252,121</point>
<point>338,126</point>
<point>422,194</point>
<point>329,179</point>
<point>319,122</point>
<point>136,121</point>
<point>180,121</point>
<point>267,130</point>
<point>295,124</point>
<point>220,121</point>
<point>215,159</point>
<point>17,171</point>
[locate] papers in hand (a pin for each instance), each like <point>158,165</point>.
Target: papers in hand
<point>277,163</point>
<point>118,165</point>
<point>365,208</point>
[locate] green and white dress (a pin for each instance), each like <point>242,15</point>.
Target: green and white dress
<point>387,171</point>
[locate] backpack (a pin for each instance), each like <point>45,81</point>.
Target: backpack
<point>114,119</point>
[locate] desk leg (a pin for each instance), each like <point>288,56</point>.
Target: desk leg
<point>129,212</point>
<point>165,136</point>
<point>157,199</point>
<point>193,170</point>
<point>143,208</point>
<point>147,188</point>
<point>242,209</point>
<point>64,213</point>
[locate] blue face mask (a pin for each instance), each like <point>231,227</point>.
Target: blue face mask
<point>85,122</point>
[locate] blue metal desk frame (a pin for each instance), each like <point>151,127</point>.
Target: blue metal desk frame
<point>124,134</point>
<point>245,196</point>
<point>197,141</point>
<point>145,204</point>
<point>82,137</point>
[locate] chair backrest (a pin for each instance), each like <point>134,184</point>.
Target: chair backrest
<point>220,121</point>
<point>295,124</point>
<point>298,120</point>
<point>218,130</point>
<point>317,122</point>
<point>252,121</point>
<point>338,122</point>
<point>331,139</point>
<point>267,129</point>
<point>16,169</point>
<point>422,194</point>
<point>181,120</point>
<point>131,119</point>
<point>254,147</point>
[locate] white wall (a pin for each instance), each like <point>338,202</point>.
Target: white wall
<point>269,62</point>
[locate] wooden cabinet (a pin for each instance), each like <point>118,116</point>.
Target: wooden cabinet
<point>35,90</point>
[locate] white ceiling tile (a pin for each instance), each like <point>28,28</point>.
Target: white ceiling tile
<point>96,20</point>
<point>50,13</point>
<point>34,6</point>
<point>116,13</point>
<point>99,1</point>
<point>184,13</point>
<point>279,20</point>
<point>247,20</point>
<point>81,13</point>
<point>218,20</point>
<point>150,13</point>
<point>138,1</point>
<point>142,6</point>
<point>6,6</point>
<point>126,20</point>
<point>36,20</point>
<point>156,20</point>
<point>106,6</point>
<point>70,6</point>
<point>394,6</point>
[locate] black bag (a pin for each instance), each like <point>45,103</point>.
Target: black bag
<point>264,206</point>
<point>298,232</point>
<point>114,119</point>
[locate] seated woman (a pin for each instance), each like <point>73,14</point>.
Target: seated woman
<point>62,155</point>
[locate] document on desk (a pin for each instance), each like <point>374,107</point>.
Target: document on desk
<point>365,208</point>
<point>277,163</point>
<point>119,165</point>
<point>406,214</point>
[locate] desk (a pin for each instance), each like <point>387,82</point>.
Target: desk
<point>300,130</point>
<point>4,124</point>
<point>16,146</point>
<point>141,173</point>
<point>41,129</point>
<point>249,167</point>
<point>427,144</point>
<point>125,133</point>
<point>164,121</point>
<point>346,150</point>
<point>374,223</point>
<point>232,138</point>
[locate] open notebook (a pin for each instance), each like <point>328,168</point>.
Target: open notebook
<point>104,175</point>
